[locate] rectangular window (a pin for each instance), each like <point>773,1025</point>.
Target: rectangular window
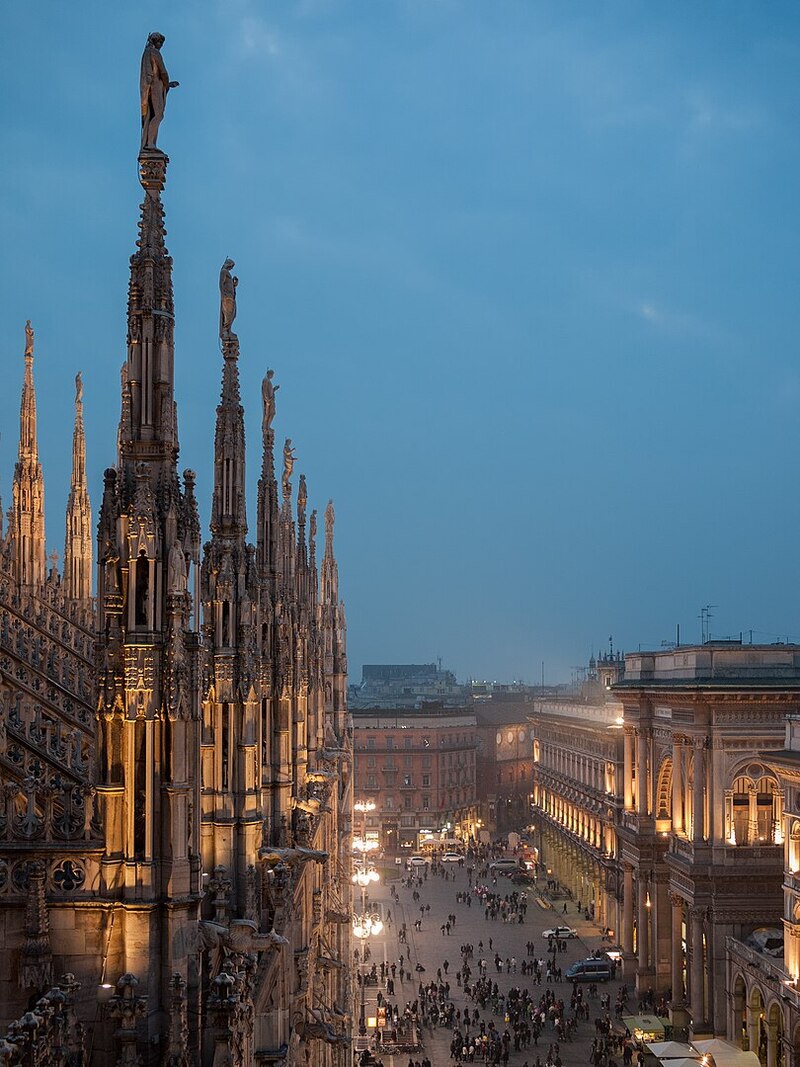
<point>372,781</point>
<point>426,803</point>
<point>406,779</point>
<point>426,762</point>
<point>370,761</point>
<point>370,742</point>
<point>426,780</point>
<point>407,803</point>
<point>408,761</point>
<point>388,803</point>
<point>390,742</point>
<point>407,742</point>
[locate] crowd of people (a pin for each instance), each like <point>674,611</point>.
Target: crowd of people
<point>494,1022</point>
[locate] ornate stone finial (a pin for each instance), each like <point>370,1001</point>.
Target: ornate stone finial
<point>28,339</point>
<point>330,519</point>
<point>302,499</point>
<point>127,1007</point>
<point>268,391</point>
<point>154,84</point>
<point>78,391</point>
<point>288,466</point>
<point>178,1050</point>
<point>227,301</point>
<point>36,959</point>
<point>312,536</point>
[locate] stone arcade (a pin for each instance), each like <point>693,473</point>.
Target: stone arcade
<point>175,822</point>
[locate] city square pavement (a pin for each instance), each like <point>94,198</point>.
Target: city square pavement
<point>429,947</point>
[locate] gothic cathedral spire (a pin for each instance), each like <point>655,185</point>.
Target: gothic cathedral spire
<point>78,539</point>
<point>27,520</point>
<point>228,510</point>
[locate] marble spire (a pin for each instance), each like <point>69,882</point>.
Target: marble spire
<point>228,509</point>
<point>78,539</point>
<point>27,518</point>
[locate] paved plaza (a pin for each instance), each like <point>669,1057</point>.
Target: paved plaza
<point>429,947</point>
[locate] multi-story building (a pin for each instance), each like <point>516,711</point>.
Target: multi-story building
<point>702,828</point>
<point>577,793</point>
<point>418,766</point>
<point>174,756</point>
<point>406,685</point>
<point>504,764</point>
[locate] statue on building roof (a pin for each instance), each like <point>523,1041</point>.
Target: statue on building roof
<point>288,465</point>
<point>227,300</point>
<point>268,391</point>
<point>154,84</point>
<point>28,338</point>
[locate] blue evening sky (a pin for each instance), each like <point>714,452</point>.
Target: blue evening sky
<point>527,274</point>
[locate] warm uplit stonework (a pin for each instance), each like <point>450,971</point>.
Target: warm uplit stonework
<point>176,754</point>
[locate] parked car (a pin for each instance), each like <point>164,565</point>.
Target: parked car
<point>561,933</point>
<point>504,865</point>
<point>590,971</point>
<point>416,861</point>
<point>523,878</point>
<point>451,857</point>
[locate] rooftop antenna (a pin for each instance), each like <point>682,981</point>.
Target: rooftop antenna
<point>704,616</point>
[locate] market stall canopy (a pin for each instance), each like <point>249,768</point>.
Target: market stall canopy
<point>725,1054</point>
<point>645,1028</point>
<point>673,1050</point>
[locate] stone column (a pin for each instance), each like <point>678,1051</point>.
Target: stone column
<point>698,793</point>
<point>628,769</point>
<point>696,976</point>
<point>752,816</point>
<point>643,927</point>
<point>753,1016</point>
<point>641,773</point>
<point>677,784</point>
<point>772,1042</point>
<point>627,911</point>
<point>677,949</point>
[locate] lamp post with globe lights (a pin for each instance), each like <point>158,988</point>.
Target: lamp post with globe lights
<point>366,924</point>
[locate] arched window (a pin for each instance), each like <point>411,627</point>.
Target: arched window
<point>664,797</point>
<point>768,817</point>
<point>794,848</point>
<point>756,811</point>
<point>742,787</point>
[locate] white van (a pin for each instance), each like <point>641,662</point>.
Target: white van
<point>504,865</point>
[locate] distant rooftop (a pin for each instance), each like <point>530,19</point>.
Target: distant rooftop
<point>715,664</point>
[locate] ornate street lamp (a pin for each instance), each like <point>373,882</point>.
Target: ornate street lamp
<point>365,926</point>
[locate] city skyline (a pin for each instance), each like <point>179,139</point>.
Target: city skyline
<point>535,268</point>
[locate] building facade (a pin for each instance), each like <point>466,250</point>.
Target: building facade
<point>702,834</point>
<point>405,685</point>
<point>577,798</point>
<point>763,969</point>
<point>504,764</point>
<point>176,754</point>
<point>418,767</point>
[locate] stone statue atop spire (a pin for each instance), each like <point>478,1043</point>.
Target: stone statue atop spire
<point>289,459</point>
<point>154,84</point>
<point>28,338</point>
<point>227,301</point>
<point>268,391</point>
